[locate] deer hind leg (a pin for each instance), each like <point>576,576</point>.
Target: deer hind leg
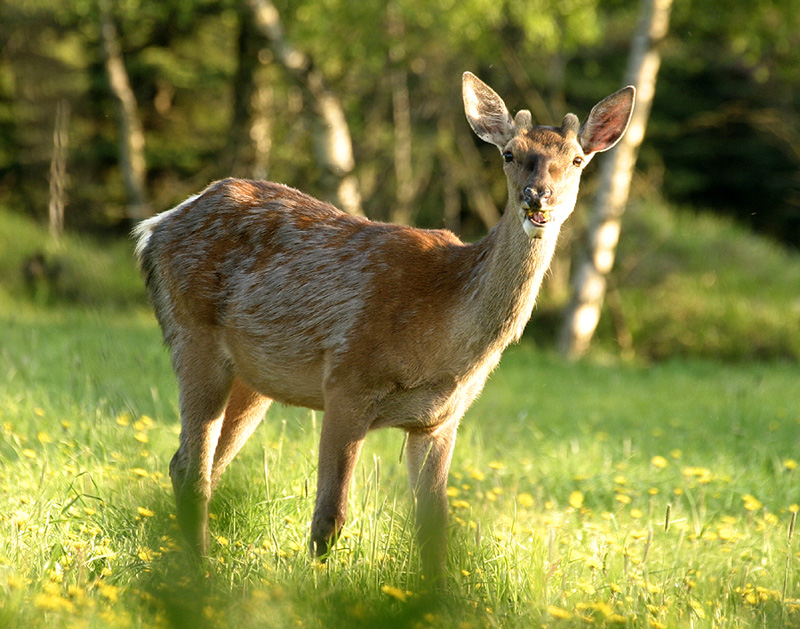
<point>245,410</point>
<point>205,381</point>
<point>429,455</point>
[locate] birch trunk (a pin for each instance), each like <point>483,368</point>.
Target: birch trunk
<point>58,170</point>
<point>131,141</point>
<point>333,140</point>
<point>589,285</point>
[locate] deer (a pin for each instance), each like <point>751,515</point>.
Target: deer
<point>264,293</point>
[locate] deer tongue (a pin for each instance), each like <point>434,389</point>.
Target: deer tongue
<point>538,217</point>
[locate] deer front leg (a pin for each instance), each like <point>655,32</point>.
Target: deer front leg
<point>429,455</point>
<point>340,444</point>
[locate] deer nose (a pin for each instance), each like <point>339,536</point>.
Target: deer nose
<point>536,196</point>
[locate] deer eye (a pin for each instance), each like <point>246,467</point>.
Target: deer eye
<point>577,161</point>
<point>508,156</point>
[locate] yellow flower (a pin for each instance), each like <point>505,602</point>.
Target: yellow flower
<point>460,504</point>
<point>43,437</point>
<point>140,472</point>
<point>751,503</point>
<point>145,513</point>
<point>145,554</point>
<point>141,437</point>
<point>496,465</point>
<point>576,499</point>
<point>477,475</point>
<point>27,452</point>
<point>452,492</point>
<point>394,592</point>
<point>525,500</point>
<point>623,498</point>
<point>559,612</point>
<point>123,419</point>
<point>659,461</point>
<point>38,411</point>
<point>790,464</point>
<point>107,591</point>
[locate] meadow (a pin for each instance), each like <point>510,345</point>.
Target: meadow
<point>610,492</point>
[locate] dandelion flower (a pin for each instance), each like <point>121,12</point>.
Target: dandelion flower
<point>576,499</point>
<point>659,461</point>
<point>145,513</point>
<point>751,503</point>
<point>525,500</point>
<point>394,592</point>
<point>138,471</point>
<point>790,464</point>
<point>43,437</point>
<point>27,452</point>
<point>559,612</point>
<point>141,437</point>
<point>496,465</point>
<point>477,475</point>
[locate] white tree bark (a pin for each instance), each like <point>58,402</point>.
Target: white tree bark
<point>58,170</point>
<point>131,141</point>
<point>333,141</point>
<point>589,284</point>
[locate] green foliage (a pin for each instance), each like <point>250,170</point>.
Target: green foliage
<point>724,116</point>
<point>77,270</point>
<point>693,285</point>
<point>559,492</point>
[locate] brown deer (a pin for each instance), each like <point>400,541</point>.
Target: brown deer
<point>264,293</point>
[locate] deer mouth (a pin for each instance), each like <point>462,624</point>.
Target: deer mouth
<point>538,218</point>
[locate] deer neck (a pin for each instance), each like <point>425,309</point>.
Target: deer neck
<point>506,276</point>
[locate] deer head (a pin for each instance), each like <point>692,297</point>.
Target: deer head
<point>543,164</point>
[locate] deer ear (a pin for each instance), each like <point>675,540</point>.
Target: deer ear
<point>607,121</point>
<point>486,112</point>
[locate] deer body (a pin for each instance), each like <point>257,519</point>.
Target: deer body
<point>264,293</point>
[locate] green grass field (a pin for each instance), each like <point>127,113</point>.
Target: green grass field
<point>602,493</point>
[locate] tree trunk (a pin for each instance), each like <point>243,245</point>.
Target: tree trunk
<point>261,124</point>
<point>58,170</point>
<point>401,116</point>
<point>131,141</point>
<point>333,140</point>
<point>589,286</point>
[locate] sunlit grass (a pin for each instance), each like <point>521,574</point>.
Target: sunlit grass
<point>610,495</point>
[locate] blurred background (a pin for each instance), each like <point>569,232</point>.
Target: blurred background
<point>113,110</point>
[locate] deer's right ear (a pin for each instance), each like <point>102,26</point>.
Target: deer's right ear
<point>486,112</point>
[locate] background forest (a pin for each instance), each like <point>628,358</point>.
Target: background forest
<point>112,110</point>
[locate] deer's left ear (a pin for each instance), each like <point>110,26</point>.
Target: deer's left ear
<point>607,121</point>
<point>486,112</point>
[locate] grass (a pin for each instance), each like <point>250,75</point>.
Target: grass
<point>559,492</point>
<point>604,493</point>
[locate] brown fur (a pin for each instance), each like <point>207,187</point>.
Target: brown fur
<point>264,293</point>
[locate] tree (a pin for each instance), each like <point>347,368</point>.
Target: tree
<point>131,131</point>
<point>597,259</point>
<point>334,145</point>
